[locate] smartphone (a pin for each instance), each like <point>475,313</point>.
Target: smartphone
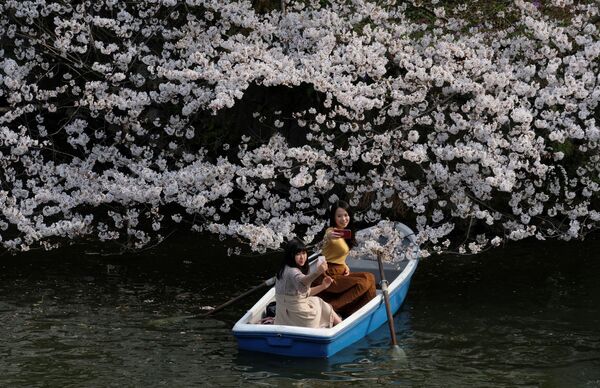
<point>346,233</point>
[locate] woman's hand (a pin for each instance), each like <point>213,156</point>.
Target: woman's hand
<point>346,270</point>
<point>334,233</point>
<point>327,281</point>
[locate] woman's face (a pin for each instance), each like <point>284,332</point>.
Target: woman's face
<point>300,258</point>
<point>342,218</point>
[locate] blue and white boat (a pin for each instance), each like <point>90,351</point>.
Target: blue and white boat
<point>322,343</point>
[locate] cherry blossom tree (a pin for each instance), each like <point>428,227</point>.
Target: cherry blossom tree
<point>123,121</point>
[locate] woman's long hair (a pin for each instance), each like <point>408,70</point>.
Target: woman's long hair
<point>293,247</point>
<point>344,205</point>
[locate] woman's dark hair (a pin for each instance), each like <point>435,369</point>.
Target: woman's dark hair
<point>289,257</point>
<point>344,205</point>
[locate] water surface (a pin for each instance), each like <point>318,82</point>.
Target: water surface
<point>526,315</point>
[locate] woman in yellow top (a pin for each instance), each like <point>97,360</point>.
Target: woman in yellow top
<point>349,290</point>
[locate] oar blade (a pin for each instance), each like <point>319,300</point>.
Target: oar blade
<point>398,354</point>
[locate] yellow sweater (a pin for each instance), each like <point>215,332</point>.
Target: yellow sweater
<point>335,250</point>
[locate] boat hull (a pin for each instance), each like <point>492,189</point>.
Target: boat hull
<point>298,345</point>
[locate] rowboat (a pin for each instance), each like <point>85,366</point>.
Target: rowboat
<point>325,342</point>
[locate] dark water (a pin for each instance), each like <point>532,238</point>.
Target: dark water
<point>527,315</point>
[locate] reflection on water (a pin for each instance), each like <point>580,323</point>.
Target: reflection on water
<point>527,315</point>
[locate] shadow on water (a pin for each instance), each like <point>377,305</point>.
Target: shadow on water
<point>526,315</point>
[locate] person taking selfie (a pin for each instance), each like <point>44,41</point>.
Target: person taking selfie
<point>349,290</point>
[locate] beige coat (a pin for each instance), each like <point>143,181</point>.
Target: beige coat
<point>294,305</point>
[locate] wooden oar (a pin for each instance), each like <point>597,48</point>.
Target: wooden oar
<point>267,283</point>
<point>386,298</point>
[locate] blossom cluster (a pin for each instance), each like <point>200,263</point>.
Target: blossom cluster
<point>473,135</point>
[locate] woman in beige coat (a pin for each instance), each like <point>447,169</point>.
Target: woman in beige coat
<point>296,305</point>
